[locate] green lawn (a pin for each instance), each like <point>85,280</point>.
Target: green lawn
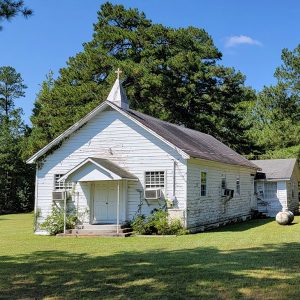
<point>254,260</point>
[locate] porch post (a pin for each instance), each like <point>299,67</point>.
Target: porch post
<point>65,208</point>
<point>118,207</point>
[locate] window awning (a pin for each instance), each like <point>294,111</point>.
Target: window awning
<point>97,169</point>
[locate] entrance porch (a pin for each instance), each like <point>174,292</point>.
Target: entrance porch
<point>107,193</point>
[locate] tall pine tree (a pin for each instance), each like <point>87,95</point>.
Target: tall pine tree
<point>16,178</point>
<point>275,115</point>
<point>172,74</point>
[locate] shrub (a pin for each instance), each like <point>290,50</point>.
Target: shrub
<point>54,223</point>
<point>175,227</point>
<point>139,225</point>
<point>157,223</point>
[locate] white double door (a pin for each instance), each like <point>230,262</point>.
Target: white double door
<point>105,202</point>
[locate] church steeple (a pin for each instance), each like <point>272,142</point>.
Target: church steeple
<point>117,94</point>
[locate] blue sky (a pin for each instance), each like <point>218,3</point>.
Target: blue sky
<point>250,34</point>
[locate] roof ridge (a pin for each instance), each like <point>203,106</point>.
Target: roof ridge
<point>173,124</point>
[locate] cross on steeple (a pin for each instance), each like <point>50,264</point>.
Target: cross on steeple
<point>118,72</point>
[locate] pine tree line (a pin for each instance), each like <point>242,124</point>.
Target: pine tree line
<point>172,74</point>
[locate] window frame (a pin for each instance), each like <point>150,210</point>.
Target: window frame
<point>201,185</point>
<point>270,190</point>
<point>154,185</point>
<point>293,189</point>
<point>238,185</point>
<point>61,186</point>
<point>223,177</point>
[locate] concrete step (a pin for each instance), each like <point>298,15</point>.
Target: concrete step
<point>98,231</point>
<point>100,226</point>
<point>95,234</point>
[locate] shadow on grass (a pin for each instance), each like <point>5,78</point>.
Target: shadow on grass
<point>243,226</point>
<point>270,272</point>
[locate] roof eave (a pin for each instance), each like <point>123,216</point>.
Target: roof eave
<point>254,167</point>
<point>91,160</point>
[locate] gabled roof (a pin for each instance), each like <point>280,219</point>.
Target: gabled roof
<point>109,165</point>
<point>84,120</point>
<point>188,142</point>
<point>276,169</point>
<point>195,143</point>
<point>115,171</point>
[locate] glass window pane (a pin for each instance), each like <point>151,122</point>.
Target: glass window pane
<point>155,179</point>
<point>203,181</point>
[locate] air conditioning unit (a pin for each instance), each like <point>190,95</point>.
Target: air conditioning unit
<point>227,193</point>
<point>56,196</point>
<point>152,194</point>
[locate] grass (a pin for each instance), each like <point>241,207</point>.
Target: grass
<point>254,260</point>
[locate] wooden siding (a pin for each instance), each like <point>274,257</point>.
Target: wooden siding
<point>270,206</point>
<point>284,198</point>
<point>210,209</point>
<point>280,201</point>
<point>293,197</point>
<point>112,136</point>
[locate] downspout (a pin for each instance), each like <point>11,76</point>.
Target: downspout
<point>36,199</point>
<point>174,180</point>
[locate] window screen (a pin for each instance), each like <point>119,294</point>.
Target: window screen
<point>293,189</point>
<point>155,179</point>
<point>223,182</point>
<point>203,183</point>
<point>61,185</point>
<point>270,190</point>
<point>238,185</point>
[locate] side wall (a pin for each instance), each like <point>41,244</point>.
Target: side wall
<point>112,136</point>
<point>212,209</point>
<point>293,191</point>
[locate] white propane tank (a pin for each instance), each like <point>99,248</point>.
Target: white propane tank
<point>283,218</point>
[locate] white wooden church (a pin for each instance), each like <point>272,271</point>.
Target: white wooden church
<point>117,163</point>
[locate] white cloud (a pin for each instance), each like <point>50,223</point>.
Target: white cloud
<point>241,39</point>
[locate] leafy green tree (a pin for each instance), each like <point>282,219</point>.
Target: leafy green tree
<point>11,8</point>
<point>275,115</point>
<point>11,88</point>
<point>289,152</point>
<point>16,178</point>
<point>172,74</point>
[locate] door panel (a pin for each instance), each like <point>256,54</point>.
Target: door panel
<point>112,202</point>
<point>105,202</point>
<point>100,206</point>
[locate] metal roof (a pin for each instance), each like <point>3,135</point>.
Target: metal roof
<point>194,143</point>
<point>276,168</point>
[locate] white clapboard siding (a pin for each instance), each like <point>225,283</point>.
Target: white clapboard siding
<point>112,136</point>
<point>210,209</point>
<point>283,199</point>
<point>293,192</point>
<point>271,205</point>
